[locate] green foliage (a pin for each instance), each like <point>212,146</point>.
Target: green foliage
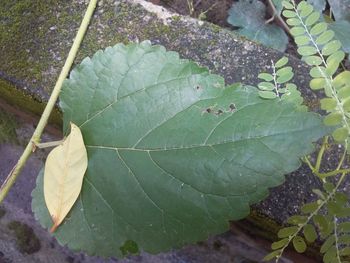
<point>249,16</point>
<point>340,9</point>
<point>318,48</point>
<point>342,33</point>
<point>320,219</point>
<point>173,154</point>
<point>276,84</point>
<point>327,217</point>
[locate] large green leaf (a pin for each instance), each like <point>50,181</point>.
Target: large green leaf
<point>342,33</point>
<point>340,9</point>
<point>249,16</point>
<point>173,154</point>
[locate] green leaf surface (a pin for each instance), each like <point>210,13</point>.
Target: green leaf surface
<point>319,28</point>
<point>296,219</point>
<point>278,5</point>
<point>265,76</point>
<point>325,37</point>
<point>305,9</point>
<point>310,233</point>
<point>249,16</point>
<point>340,9</point>
<point>333,118</point>
<point>309,207</point>
<point>328,104</point>
<point>267,94</point>
<point>313,60</point>
<point>331,47</point>
<point>171,161</point>
<point>287,231</point>
<point>342,33</point>
<point>281,62</point>
<point>266,86</point>
<point>299,244</point>
<point>327,244</point>
<point>312,19</point>
<point>279,244</point>
<point>272,255</point>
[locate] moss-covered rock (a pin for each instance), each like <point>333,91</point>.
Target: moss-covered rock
<point>35,38</point>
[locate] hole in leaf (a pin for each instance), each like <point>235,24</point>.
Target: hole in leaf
<point>232,107</point>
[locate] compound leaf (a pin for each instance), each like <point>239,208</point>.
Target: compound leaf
<point>173,154</point>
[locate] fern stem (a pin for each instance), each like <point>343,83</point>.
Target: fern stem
<point>320,155</point>
<point>274,78</point>
<point>278,17</point>
<point>308,162</point>
<point>343,156</point>
<point>332,173</point>
<point>35,139</point>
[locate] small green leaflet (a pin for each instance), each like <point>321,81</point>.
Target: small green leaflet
<point>173,153</point>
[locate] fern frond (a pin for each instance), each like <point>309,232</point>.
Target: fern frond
<point>319,49</point>
<point>276,84</point>
<point>302,230</point>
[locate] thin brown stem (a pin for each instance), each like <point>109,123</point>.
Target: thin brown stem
<point>277,17</point>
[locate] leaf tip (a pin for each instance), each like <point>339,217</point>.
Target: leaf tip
<point>54,227</point>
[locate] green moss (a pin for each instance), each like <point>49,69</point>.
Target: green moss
<point>7,127</point>
<point>176,18</point>
<point>215,28</point>
<point>30,47</point>
<point>26,239</point>
<point>14,96</point>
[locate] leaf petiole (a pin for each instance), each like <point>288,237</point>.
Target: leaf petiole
<point>48,144</point>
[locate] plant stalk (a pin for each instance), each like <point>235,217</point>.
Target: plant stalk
<point>11,178</point>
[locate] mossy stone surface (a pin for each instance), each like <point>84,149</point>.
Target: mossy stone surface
<point>35,38</point>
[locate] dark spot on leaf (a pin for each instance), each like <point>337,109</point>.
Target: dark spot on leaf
<point>232,107</point>
<point>219,112</point>
<point>198,87</point>
<point>208,110</point>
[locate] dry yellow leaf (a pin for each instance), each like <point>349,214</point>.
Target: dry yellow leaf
<point>64,171</point>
